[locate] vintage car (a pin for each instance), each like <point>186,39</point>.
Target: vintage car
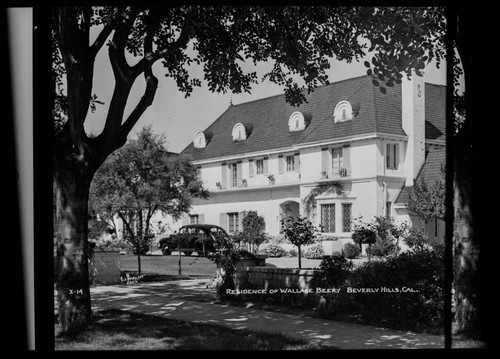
<point>200,238</point>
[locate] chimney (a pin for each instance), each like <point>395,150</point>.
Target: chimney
<point>413,116</point>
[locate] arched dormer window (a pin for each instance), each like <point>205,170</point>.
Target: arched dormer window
<point>343,112</point>
<point>241,131</point>
<point>202,138</point>
<point>298,121</point>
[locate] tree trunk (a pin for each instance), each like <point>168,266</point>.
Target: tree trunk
<point>300,256</point>
<point>72,271</point>
<point>472,277</point>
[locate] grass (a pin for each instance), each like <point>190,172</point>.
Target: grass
<point>121,330</point>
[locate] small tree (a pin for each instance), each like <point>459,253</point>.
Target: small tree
<point>253,229</point>
<point>300,232</point>
<point>427,201</point>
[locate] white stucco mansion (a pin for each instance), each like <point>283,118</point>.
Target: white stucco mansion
<point>267,156</point>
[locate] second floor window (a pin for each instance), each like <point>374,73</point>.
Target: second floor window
<point>234,175</point>
<point>259,166</point>
<point>290,163</point>
<point>337,161</point>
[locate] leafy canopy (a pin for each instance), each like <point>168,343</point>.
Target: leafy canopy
<point>144,176</point>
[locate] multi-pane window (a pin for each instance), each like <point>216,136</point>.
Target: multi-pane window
<point>290,163</point>
<point>392,156</point>
<point>194,219</point>
<point>346,217</point>
<point>337,161</point>
<point>259,166</point>
<point>328,217</point>
<point>234,175</point>
<point>233,222</point>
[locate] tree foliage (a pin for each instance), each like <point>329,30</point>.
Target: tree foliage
<point>428,201</point>
<point>143,179</point>
<point>300,232</point>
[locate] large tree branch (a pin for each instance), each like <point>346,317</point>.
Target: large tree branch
<point>72,37</point>
<point>106,31</point>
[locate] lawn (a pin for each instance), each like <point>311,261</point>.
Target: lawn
<point>121,330</point>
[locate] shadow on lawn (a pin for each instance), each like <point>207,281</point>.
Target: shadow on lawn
<point>121,330</point>
<point>192,301</point>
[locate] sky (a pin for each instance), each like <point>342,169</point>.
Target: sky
<point>179,118</point>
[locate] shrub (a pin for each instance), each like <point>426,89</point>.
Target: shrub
<point>416,238</point>
<point>382,247</point>
<point>273,250</point>
<point>314,252</point>
<point>292,252</point>
<point>351,250</point>
<point>420,307</point>
<point>334,272</point>
<point>364,236</point>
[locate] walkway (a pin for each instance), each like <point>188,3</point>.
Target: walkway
<point>190,300</point>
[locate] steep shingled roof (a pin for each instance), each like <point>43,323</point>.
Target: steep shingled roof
<point>430,172</point>
<point>378,113</point>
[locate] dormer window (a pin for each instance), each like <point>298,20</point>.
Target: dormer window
<point>202,138</point>
<point>343,112</point>
<point>241,131</point>
<point>298,121</point>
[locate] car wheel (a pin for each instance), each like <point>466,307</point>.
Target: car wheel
<point>188,253</point>
<point>166,251</point>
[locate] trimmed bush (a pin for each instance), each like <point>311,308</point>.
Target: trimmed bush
<point>273,250</point>
<point>314,252</point>
<point>351,250</point>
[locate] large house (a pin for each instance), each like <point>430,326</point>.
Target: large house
<point>267,156</point>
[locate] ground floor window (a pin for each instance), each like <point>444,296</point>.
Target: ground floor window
<point>194,219</point>
<point>346,217</point>
<point>328,217</point>
<point>233,222</point>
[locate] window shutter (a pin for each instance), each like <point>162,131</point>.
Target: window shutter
<point>224,176</point>
<point>297,162</point>
<point>201,218</point>
<point>388,156</point>
<point>239,181</point>
<point>281,164</point>
<point>185,219</point>
<point>396,156</point>
<point>251,165</point>
<point>223,220</point>
<point>325,160</point>
<point>266,166</point>
<point>347,158</point>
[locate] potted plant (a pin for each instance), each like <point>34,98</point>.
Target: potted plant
<point>271,179</point>
<point>244,182</point>
<point>218,185</point>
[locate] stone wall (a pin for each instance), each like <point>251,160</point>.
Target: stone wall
<point>283,285</point>
<point>104,267</point>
